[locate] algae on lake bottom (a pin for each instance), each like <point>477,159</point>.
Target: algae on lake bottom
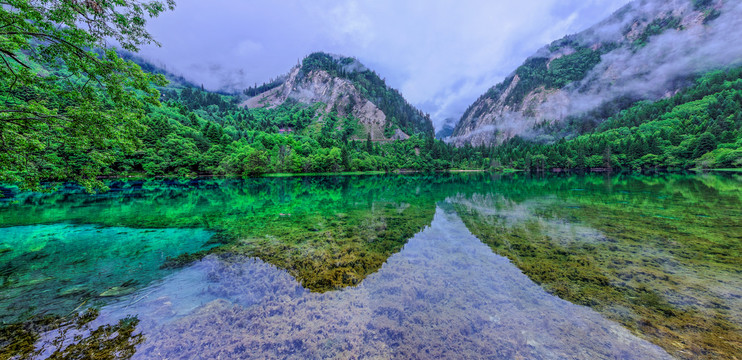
<point>659,254</point>
<point>328,232</point>
<point>332,252</point>
<point>53,269</point>
<point>443,295</point>
<point>635,250</point>
<point>75,337</point>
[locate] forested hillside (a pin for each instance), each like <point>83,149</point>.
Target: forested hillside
<point>647,50</point>
<point>698,127</point>
<point>78,115</point>
<point>343,86</point>
<point>195,132</point>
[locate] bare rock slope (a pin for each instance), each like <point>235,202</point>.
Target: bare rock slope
<point>647,50</point>
<point>345,86</point>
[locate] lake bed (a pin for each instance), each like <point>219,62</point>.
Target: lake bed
<point>444,266</point>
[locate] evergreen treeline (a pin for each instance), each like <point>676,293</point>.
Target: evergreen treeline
<point>195,132</point>
<point>255,90</point>
<point>698,127</point>
<point>390,101</point>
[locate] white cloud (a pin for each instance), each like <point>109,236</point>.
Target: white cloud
<point>249,47</point>
<point>440,54</point>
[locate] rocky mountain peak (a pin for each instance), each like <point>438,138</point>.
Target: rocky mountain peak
<point>647,50</point>
<point>345,86</point>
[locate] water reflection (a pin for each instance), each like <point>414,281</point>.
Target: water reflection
<point>445,295</point>
<point>648,253</point>
<point>659,255</point>
<point>53,269</point>
<point>329,232</point>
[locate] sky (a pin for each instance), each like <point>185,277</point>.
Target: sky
<point>440,54</point>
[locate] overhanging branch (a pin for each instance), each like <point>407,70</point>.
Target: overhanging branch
<point>57,39</point>
<point>14,57</point>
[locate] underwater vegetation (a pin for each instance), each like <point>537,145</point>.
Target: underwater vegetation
<point>660,255</point>
<point>75,337</point>
<point>333,252</point>
<point>329,232</point>
<point>444,295</point>
<point>54,269</point>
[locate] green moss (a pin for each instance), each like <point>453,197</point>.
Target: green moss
<point>658,254</point>
<point>336,250</point>
<point>107,341</point>
<point>656,264</point>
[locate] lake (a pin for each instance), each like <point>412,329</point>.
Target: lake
<point>375,267</point>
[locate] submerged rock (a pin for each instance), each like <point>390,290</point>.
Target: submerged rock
<point>117,291</point>
<point>73,291</point>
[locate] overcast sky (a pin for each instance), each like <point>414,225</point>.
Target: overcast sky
<point>442,55</point>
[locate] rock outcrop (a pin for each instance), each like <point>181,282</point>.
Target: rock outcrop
<point>334,83</point>
<point>647,50</point>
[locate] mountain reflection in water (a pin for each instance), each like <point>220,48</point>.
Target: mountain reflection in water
<point>445,295</point>
<point>334,266</point>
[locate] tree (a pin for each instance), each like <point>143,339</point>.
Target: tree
<point>256,162</point>
<point>705,143</point>
<point>539,162</point>
<point>63,86</point>
<point>345,157</point>
<point>607,160</point>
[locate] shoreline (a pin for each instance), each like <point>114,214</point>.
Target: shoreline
<point>396,172</point>
<point>278,175</point>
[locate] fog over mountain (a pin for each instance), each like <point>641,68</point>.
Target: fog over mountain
<point>647,50</point>
<point>441,55</point>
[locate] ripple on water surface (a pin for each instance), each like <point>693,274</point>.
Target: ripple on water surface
<point>53,269</point>
<point>445,295</point>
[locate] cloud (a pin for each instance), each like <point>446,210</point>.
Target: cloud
<point>653,70</point>
<point>440,54</point>
<point>249,47</point>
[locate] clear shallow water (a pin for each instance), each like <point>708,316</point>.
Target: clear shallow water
<point>380,266</point>
<point>444,295</point>
<point>54,269</point>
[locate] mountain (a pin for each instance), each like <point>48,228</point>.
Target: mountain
<point>300,125</point>
<point>174,80</point>
<point>447,129</point>
<point>647,50</point>
<point>347,88</point>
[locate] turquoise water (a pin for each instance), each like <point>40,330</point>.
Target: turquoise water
<point>54,269</point>
<point>444,295</point>
<point>449,266</point>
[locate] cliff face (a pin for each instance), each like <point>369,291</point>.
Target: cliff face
<point>645,51</point>
<point>338,83</point>
<point>447,129</point>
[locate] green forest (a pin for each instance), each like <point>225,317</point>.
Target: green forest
<point>74,109</point>
<point>699,127</point>
<point>193,132</point>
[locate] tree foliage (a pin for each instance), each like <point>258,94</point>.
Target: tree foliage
<point>195,132</point>
<point>372,87</point>
<point>698,127</point>
<point>68,102</point>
